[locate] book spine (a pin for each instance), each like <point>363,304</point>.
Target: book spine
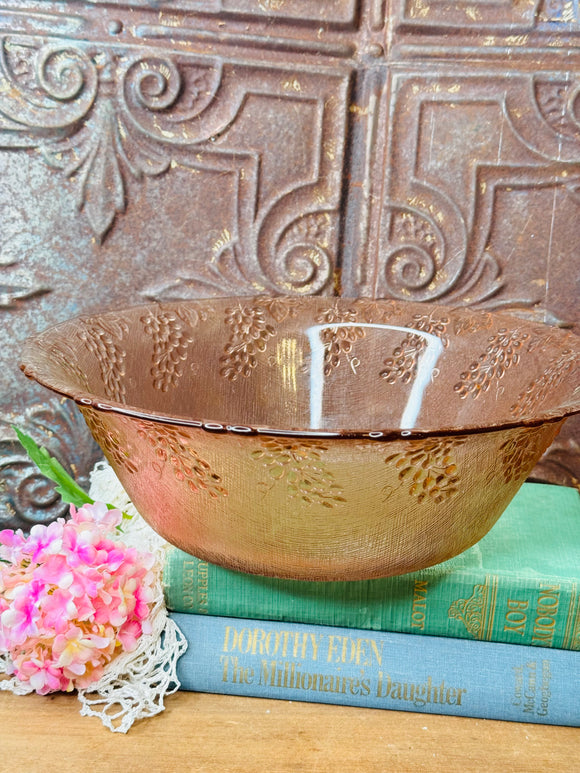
<point>503,608</point>
<point>353,667</point>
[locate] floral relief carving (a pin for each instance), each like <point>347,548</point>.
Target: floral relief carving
<point>425,248</point>
<point>104,341</point>
<point>172,447</point>
<point>338,341</point>
<point>402,364</point>
<point>303,254</point>
<point>414,263</point>
<point>248,337</point>
<point>503,352</point>
<point>170,342</point>
<point>429,468</point>
<point>300,464</point>
<point>416,251</point>
<point>47,88</point>
<point>91,112</point>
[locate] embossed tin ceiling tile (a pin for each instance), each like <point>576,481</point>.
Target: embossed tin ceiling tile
<point>124,118</point>
<point>340,12</point>
<point>480,191</point>
<point>513,21</point>
<point>504,16</point>
<point>332,11</point>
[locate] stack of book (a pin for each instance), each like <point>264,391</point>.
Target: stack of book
<point>491,633</point>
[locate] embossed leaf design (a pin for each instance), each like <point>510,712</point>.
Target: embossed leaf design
<point>173,450</point>
<point>301,465</point>
<point>428,467</point>
<point>102,188</point>
<point>10,294</point>
<point>402,364</point>
<point>104,341</point>
<point>249,336</point>
<point>97,157</point>
<point>281,307</point>
<point>540,388</point>
<point>503,352</point>
<point>170,343</point>
<point>338,341</point>
<point>110,441</point>
<point>519,452</point>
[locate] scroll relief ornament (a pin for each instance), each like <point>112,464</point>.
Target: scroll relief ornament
<point>425,262</point>
<point>441,245</point>
<point>100,117</point>
<point>26,496</point>
<point>107,118</point>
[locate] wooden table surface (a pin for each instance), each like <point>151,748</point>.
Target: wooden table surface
<point>213,733</point>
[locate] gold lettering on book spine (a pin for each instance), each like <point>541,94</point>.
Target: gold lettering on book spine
<point>572,632</point>
<point>202,587</point>
<point>476,612</point>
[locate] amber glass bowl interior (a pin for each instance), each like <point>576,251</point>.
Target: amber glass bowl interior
<point>315,437</point>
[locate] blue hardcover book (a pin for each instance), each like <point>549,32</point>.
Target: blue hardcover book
<point>354,667</point>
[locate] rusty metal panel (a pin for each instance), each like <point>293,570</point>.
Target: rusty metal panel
<point>479,192</point>
<point>422,150</point>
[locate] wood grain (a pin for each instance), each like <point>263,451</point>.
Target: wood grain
<point>241,735</point>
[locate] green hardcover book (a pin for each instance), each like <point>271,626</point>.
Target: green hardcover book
<point>520,584</point>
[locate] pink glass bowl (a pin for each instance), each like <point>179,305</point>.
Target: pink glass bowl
<point>315,438</point>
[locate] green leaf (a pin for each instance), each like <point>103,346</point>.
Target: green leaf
<point>66,486</point>
<point>50,467</point>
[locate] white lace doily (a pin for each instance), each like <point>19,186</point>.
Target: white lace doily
<point>135,684</point>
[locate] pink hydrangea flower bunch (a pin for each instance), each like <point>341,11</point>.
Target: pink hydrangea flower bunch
<point>72,597</point>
